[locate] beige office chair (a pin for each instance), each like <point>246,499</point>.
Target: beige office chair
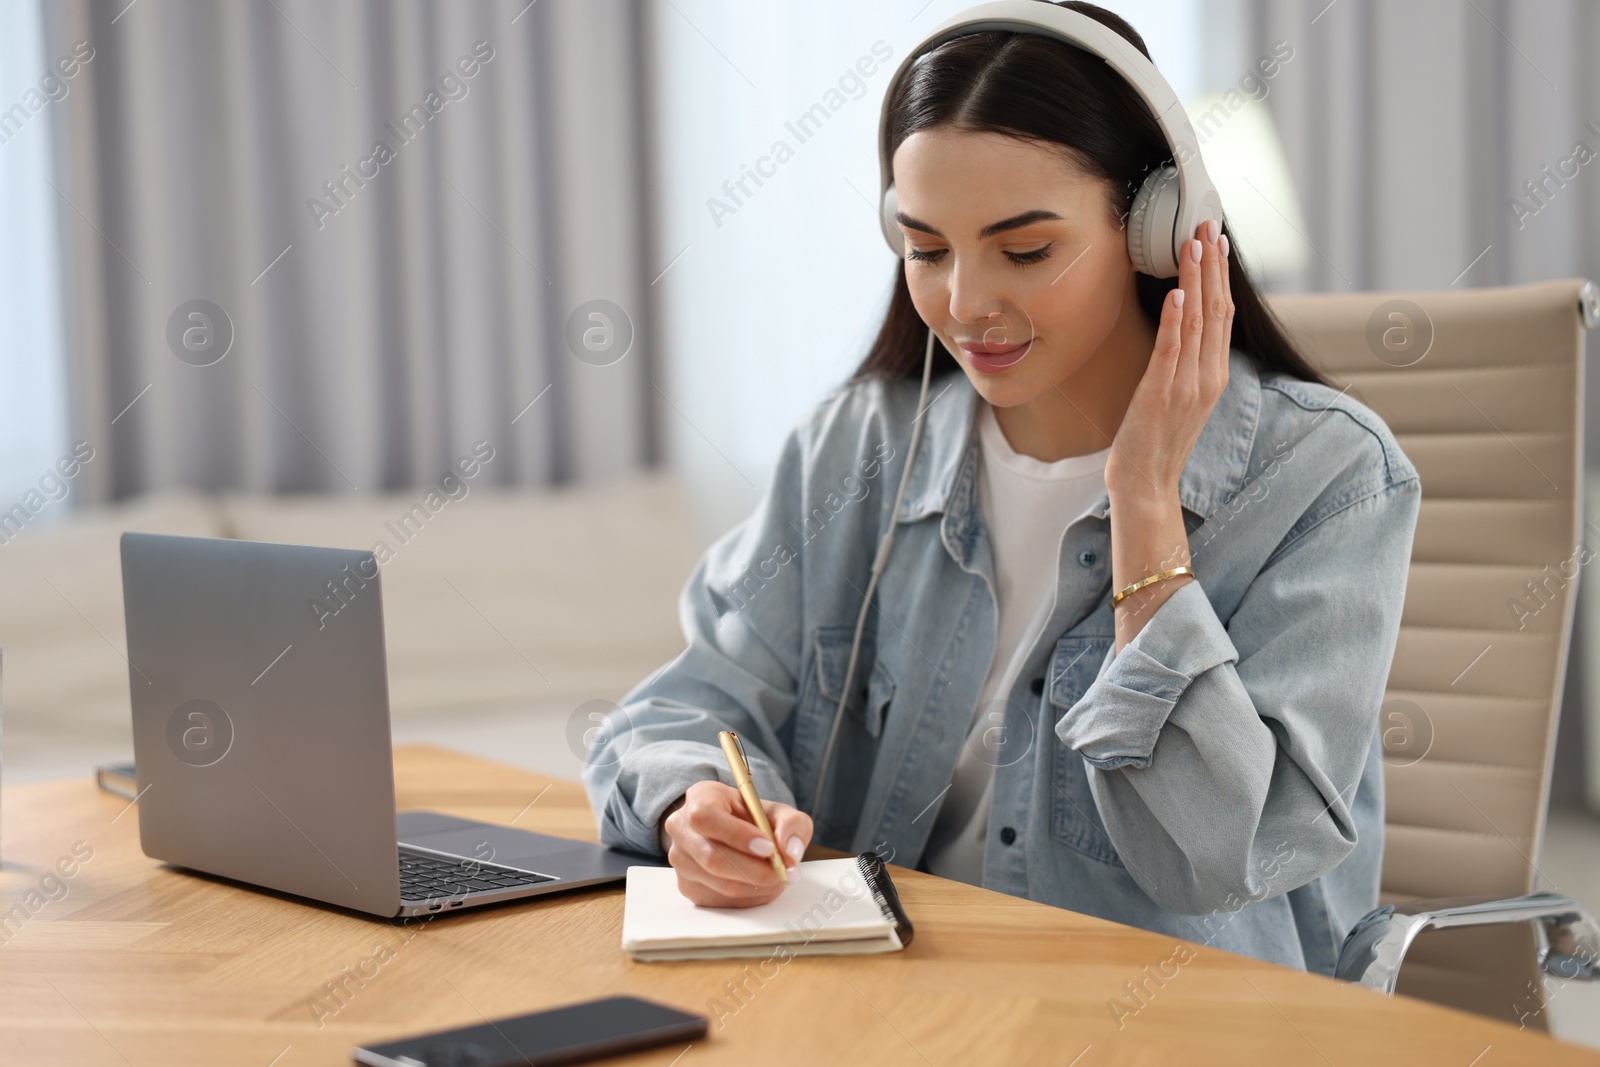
<point>1483,389</point>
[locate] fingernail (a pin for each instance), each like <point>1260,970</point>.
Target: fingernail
<point>1194,251</point>
<point>1222,243</point>
<point>796,847</point>
<point>793,872</point>
<point>1213,227</point>
<point>761,846</point>
<point>1177,298</point>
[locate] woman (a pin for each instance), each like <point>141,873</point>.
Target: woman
<point>1200,759</point>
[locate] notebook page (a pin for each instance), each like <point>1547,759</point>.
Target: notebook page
<point>828,900</point>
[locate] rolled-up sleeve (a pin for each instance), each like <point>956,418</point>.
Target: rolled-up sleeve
<point>1212,749</point>
<point>1139,686</point>
<point>740,616</point>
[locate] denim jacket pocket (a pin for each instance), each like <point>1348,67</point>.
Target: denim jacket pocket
<point>873,685</point>
<point>1074,819</point>
<point>861,725</point>
<point>820,682</point>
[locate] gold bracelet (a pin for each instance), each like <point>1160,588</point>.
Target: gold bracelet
<point>1153,579</point>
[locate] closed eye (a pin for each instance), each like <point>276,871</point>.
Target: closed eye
<point>1018,259</point>
<point>1023,259</point>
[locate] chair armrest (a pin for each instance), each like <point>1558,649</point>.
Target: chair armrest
<point>1569,938</point>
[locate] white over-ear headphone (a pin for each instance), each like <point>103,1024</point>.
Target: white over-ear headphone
<point>1173,200</point>
<point>1165,213</point>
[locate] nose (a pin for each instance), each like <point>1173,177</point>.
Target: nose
<point>982,310</point>
<point>971,297</point>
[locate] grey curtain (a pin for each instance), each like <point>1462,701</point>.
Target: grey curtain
<point>1440,143</point>
<point>1433,142</point>
<point>402,212</point>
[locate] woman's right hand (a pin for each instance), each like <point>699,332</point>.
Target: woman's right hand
<point>721,858</point>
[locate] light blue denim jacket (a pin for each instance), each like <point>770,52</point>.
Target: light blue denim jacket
<point>1220,780</point>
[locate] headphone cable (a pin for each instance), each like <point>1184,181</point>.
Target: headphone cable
<point>879,562</point>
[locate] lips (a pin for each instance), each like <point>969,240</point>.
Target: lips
<point>991,357</point>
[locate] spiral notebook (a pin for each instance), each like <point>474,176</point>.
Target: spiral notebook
<point>832,907</point>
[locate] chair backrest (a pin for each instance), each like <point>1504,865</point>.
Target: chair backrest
<point>1483,389</point>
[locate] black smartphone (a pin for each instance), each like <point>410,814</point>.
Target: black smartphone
<point>572,1034</point>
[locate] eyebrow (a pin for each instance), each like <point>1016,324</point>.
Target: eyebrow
<point>1014,222</point>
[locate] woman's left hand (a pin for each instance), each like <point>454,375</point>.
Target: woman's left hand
<point>1187,372</point>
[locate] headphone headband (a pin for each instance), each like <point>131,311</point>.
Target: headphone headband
<point>1173,200</point>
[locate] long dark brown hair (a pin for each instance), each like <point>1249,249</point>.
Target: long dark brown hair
<point>1043,90</point>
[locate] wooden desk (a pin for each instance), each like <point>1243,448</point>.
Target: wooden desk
<point>143,965</point>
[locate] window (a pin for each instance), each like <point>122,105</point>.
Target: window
<point>33,410</point>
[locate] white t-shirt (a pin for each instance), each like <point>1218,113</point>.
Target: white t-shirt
<point>1027,505</point>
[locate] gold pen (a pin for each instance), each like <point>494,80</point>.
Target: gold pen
<point>733,748</point>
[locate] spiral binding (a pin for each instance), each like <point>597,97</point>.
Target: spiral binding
<point>877,878</point>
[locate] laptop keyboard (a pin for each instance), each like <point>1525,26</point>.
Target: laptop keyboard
<point>424,876</point>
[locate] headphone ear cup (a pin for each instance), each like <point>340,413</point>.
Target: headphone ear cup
<point>1152,224</point>
<point>891,228</point>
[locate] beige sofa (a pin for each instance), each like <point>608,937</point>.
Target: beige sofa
<point>504,611</point>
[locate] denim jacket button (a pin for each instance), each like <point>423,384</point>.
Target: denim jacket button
<point>1007,835</point>
<point>1086,558</point>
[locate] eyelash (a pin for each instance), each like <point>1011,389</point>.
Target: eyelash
<point>1018,259</point>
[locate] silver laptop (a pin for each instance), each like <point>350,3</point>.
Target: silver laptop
<point>261,738</point>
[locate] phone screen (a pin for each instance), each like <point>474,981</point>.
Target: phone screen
<point>571,1034</point>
